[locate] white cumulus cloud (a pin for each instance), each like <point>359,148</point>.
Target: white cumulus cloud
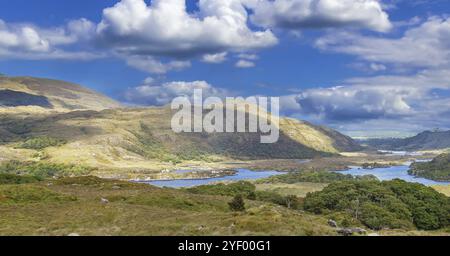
<point>300,14</point>
<point>424,46</point>
<point>166,28</point>
<point>159,94</point>
<point>215,58</point>
<point>245,64</point>
<point>26,41</point>
<point>151,65</point>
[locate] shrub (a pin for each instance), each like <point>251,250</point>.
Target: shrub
<point>388,204</point>
<point>243,188</point>
<point>6,178</point>
<point>315,177</point>
<point>43,169</point>
<point>237,204</point>
<point>39,143</point>
<point>376,217</point>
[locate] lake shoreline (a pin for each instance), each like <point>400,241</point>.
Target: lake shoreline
<point>240,175</point>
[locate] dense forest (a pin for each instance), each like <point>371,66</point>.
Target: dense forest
<point>380,205</point>
<point>438,169</point>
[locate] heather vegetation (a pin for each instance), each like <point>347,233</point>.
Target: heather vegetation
<point>39,143</point>
<point>6,178</point>
<point>93,206</point>
<point>43,169</point>
<point>247,190</point>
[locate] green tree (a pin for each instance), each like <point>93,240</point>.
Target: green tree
<point>291,201</point>
<point>237,204</point>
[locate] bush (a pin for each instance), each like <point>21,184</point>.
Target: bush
<point>39,143</point>
<point>315,177</point>
<point>388,204</point>
<point>243,188</point>
<point>237,204</point>
<point>377,217</point>
<point>430,209</point>
<point>43,169</point>
<point>17,179</point>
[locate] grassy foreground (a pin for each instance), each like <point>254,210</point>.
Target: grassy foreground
<point>93,206</point>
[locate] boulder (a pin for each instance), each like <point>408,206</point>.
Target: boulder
<point>332,223</point>
<point>345,231</point>
<point>351,231</point>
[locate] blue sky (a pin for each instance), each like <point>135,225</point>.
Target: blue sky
<point>365,67</point>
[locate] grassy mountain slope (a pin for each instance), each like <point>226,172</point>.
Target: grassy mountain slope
<point>427,140</point>
<point>74,205</point>
<point>41,93</point>
<point>142,139</point>
<point>93,206</point>
<point>136,139</point>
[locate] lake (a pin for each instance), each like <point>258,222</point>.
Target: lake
<point>241,174</point>
<point>390,173</point>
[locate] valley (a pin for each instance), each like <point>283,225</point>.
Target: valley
<point>75,162</point>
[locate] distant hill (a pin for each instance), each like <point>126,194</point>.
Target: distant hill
<point>427,140</point>
<point>130,136</point>
<point>50,94</point>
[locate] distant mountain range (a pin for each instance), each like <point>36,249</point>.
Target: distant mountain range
<point>427,140</point>
<point>99,133</point>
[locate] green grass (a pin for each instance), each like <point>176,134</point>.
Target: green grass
<point>247,190</point>
<point>74,205</point>
<point>25,194</point>
<point>300,189</point>
<point>50,208</point>
<point>443,189</point>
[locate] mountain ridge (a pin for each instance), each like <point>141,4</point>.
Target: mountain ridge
<point>142,138</point>
<point>427,140</point>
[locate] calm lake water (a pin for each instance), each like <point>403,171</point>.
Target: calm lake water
<point>390,173</point>
<point>242,174</point>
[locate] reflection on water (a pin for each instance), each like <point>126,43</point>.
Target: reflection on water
<point>242,174</point>
<point>390,173</point>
